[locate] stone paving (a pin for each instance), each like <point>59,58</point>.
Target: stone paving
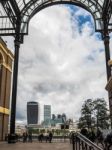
<point>36,146</point>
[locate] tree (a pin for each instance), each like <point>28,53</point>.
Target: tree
<point>86,120</point>
<point>100,113</point>
<point>94,114</point>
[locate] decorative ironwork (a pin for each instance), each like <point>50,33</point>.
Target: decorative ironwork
<point>14,20</point>
<point>10,10</point>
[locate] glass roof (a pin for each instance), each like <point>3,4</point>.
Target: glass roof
<point>25,9</point>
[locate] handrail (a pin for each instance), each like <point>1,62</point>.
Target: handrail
<point>88,141</point>
<point>83,143</point>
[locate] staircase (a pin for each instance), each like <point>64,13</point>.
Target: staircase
<point>80,142</point>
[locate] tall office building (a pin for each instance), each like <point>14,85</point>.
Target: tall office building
<point>6,58</point>
<point>47,112</point>
<point>32,112</point>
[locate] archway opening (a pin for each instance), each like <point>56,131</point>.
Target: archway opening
<point>63,56</point>
<point>101,11</point>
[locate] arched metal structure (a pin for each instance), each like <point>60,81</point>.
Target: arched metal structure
<point>14,20</point>
<point>21,11</point>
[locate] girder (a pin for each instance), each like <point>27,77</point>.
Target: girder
<point>101,11</point>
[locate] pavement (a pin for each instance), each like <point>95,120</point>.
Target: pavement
<point>36,146</point>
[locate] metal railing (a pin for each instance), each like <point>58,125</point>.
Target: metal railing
<point>80,142</point>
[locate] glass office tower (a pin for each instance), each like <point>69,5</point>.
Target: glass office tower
<point>32,112</point>
<point>47,112</point>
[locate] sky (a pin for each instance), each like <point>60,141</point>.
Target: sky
<point>62,62</point>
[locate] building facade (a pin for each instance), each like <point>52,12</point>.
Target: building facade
<point>32,113</point>
<point>47,112</point>
<point>6,58</point>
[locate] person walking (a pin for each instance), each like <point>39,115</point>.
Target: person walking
<point>46,135</point>
<point>25,137</point>
<point>30,137</point>
<point>50,137</point>
<point>40,137</point>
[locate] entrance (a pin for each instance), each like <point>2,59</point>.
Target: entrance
<point>19,14</point>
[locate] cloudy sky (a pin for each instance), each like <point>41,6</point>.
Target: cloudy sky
<point>62,62</point>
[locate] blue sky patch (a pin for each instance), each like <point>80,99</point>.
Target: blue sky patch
<point>81,19</point>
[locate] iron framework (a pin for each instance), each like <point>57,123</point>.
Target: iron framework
<point>15,16</point>
<point>14,12</point>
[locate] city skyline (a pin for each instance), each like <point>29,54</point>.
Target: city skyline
<point>63,68</point>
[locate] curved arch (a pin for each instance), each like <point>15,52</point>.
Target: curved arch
<point>32,8</point>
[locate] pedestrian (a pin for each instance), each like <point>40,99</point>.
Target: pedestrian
<point>25,137</point>
<point>108,141</point>
<point>84,132</point>
<point>100,138</point>
<point>46,135</point>
<point>30,137</point>
<point>71,136</point>
<point>40,137</point>
<point>50,137</point>
<point>92,136</point>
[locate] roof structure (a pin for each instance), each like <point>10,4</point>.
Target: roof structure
<point>19,12</point>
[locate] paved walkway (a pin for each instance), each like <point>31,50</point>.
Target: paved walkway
<point>35,146</point>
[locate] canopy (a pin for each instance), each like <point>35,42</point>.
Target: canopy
<point>14,11</point>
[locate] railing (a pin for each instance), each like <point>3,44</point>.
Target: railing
<point>55,139</point>
<point>80,142</point>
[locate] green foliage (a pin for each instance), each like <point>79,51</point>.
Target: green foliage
<point>101,115</point>
<point>94,114</point>
<point>86,120</point>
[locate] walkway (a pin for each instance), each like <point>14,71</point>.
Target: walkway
<point>35,146</point>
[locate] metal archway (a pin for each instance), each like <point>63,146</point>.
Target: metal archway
<point>21,11</point>
<point>14,20</point>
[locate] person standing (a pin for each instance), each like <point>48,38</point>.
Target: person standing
<point>25,137</point>
<point>30,137</point>
<point>46,135</point>
<point>50,137</point>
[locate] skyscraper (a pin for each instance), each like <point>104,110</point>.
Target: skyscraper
<point>47,112</point>
<point>32,112</point>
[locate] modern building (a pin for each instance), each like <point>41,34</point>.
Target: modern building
<point>32,112</point>
<point>47,112</point>
<point>53,116</point>
<point>56,120</point>
<point>6,58</point>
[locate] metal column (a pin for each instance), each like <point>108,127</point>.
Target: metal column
<point>107,54</point>
<point>106,39</point>
<point>14,86</point>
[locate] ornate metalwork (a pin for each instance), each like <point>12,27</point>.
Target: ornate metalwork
<point>14,20</point>
<point>11,10</point>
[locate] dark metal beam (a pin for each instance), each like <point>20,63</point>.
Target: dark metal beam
<point>106,5</point>
<point>15,7</point>
<point>10,14</point>
<point>107,10</point>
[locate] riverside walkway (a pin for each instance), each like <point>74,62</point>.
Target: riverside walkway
<point>36,146</point>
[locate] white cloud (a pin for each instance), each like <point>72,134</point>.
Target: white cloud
<point>60,65</point>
